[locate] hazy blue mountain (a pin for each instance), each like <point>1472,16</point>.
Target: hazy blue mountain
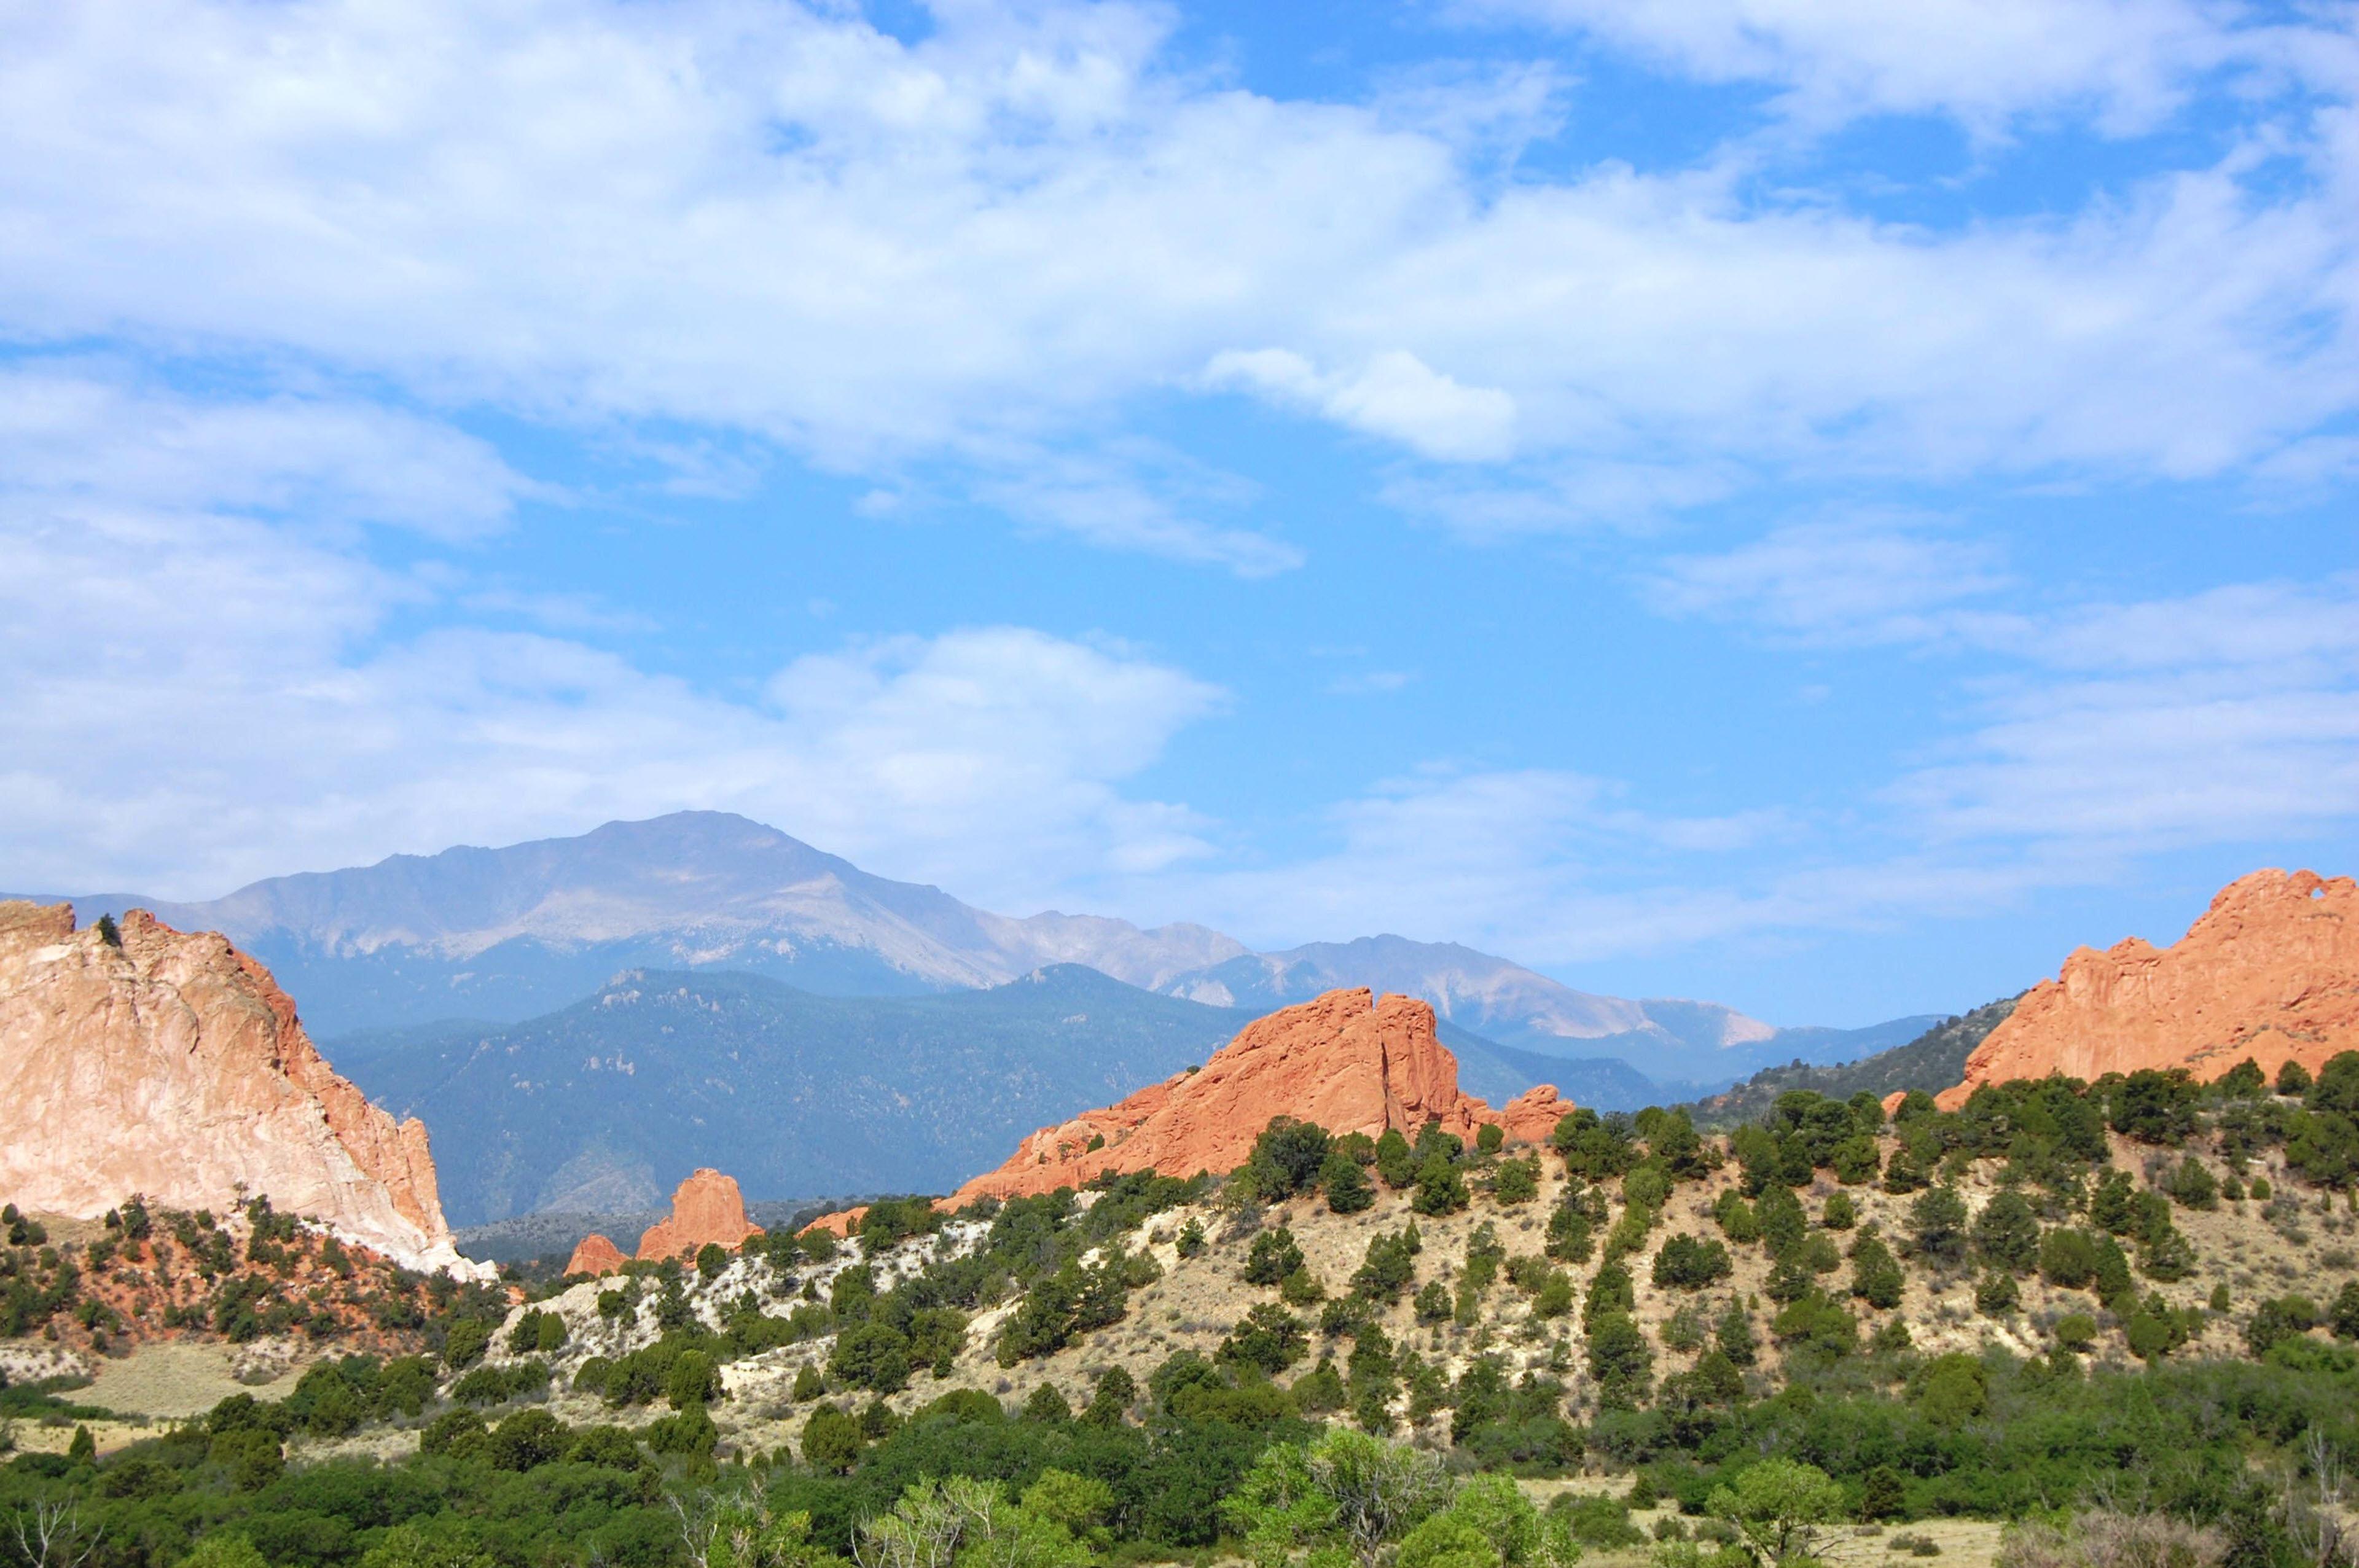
<point>604,1106</point>
<point>1933,1061</point>
<point>1500,1073</point>
<point>1686,1047</point>
<point>509,933</point>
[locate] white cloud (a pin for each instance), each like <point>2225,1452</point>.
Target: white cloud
<point>977,249</point>
<point>2113,732</point>
<point>196,699</point>
<point>1395,394</point>
<point>2149,764</point>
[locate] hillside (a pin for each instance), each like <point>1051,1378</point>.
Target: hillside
<point>1931,1062</point>
<point>1630,1308</point>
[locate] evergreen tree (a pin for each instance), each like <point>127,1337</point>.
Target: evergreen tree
<point>2007,1234</point>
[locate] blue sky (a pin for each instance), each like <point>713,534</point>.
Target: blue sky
<point>1822,506</point>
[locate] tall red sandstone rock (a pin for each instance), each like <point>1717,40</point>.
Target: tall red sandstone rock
<point>707,1207</point>
<point>1347,1061</point>
<point>172,1065</point>
<point>2270,971</point>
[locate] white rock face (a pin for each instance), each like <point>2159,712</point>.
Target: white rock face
<point>172,1065</point>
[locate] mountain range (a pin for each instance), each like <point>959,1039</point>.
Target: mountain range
<point>501,936</point>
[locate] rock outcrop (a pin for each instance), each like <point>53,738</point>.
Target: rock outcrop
<point>2270,971</point>
<point>707,1207</point>
<point>593,1254</point>
<point>1532,1115</point>
<point>839,1223</point>
<point>169,1064</point>
<point>1347,1061</point>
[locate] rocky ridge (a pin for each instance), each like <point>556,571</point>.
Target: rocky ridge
<point>1349,1061</point>
<point>2269,972</point>
<point>140,1059</point>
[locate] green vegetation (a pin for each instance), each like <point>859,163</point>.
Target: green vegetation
<point>1725,1321</point>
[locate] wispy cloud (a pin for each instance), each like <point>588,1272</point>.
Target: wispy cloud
<point>1848,581</point>
<point>79,428</point>
<point>1986,62</point>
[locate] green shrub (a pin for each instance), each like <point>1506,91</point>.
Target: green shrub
<point>832,1441</point>
<point>1440,1189</point>
<point>464,1343</point>
<point>2192,1185</point>
<point>1287,1158</point>
<point>2076,1332</point>
<point>1273,1257</point>
<point>526,1440</point>
<point>1875,1276</point>
<point>1736,1217</point>
<point>1269,1337</point>
<point>2007,1234</point>
<point>1348,1188</point>
<point>1688,1263</point>
<point>1390,1265</point>
<point>1937,1224</point>
<point>1597,1518</point>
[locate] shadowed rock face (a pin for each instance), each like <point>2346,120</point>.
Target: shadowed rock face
<point>707,1207</point>
<point>2270,971</point>
<point>172,1064</point>
<point>1348,1061</point>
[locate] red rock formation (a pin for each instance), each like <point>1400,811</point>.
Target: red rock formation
<point>1346,1060</point>
<point>839,1223</point>
<point>2270,971</point>
<point>1532,1116</point>
<point>172,1065</point>
<point>593,1254</point>
<point>705,1207</point>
